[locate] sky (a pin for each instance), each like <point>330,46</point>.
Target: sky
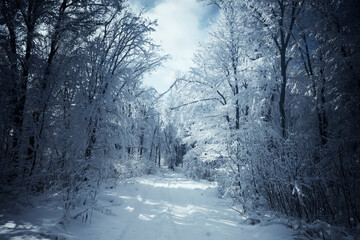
<point>182,24</point>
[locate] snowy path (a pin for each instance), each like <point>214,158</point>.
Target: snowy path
<point>166,206</point>
<point>169,206</point>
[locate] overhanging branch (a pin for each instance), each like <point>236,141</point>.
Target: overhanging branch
<point>193,102</point>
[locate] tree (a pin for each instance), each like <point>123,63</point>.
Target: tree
<point>279,17</point>
<point>77,113</point>
<point>305,61</point>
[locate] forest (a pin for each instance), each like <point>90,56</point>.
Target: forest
<point>270,109</point>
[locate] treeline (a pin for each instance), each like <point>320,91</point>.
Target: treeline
<point>271,108</point>
<point>73,111</point>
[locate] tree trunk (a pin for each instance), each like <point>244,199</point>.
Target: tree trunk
<point>40,120</point>
<point>282,93</point>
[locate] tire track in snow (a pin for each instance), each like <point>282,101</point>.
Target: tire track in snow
<point>171,212</point>
<point>137,211</point>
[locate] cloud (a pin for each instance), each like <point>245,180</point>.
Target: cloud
<point>181,26</point>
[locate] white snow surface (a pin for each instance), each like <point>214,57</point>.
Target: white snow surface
<point>165,206</point>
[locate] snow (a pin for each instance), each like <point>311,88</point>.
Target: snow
<point>30,220</point>
<point>163,206</point>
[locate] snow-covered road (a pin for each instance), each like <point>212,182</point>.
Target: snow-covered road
<point>169,206</point>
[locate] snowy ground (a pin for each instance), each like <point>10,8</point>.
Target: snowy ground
<point>165,206</point>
